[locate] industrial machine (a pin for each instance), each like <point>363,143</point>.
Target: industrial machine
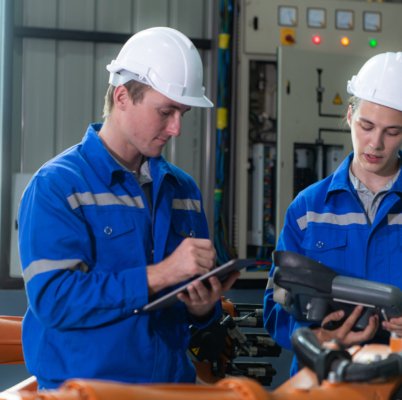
<point>235,346</point>
<point>368,372</point>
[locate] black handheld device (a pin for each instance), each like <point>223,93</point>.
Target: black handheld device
<point>310,290</point>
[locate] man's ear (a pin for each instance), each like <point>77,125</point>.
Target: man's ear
<point>349,115</point>
<point>121,97</point>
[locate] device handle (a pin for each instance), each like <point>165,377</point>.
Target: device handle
<point>311,354</point>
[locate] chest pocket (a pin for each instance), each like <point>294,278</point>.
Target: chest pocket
<point>118,242</point>
<point>327,245</point>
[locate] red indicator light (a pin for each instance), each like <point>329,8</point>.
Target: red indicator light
<point>316,39</point>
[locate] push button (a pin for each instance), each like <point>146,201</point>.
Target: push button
<point>108,230</point>
<point>319,244</point>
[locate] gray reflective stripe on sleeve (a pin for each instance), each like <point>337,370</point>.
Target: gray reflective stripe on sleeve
<point>270,283</point>
<point>302,222</point>
<point>103,199</point>
<point>395,219</point>
<point>44,265</point>
<point>330,218</point>
<point>187,204</point>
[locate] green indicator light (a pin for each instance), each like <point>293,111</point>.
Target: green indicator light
<point>373,43</point>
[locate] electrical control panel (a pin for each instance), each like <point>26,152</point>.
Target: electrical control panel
<point>336,26</point>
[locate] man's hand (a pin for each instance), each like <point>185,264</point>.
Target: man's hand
<point>344,333</point>
<point>191,258</point>
<point>393,325</point>
<point>200,299</point>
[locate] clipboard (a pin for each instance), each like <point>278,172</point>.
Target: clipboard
<point>221,272</point>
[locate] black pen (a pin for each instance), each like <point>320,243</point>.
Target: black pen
<point>191,234</point>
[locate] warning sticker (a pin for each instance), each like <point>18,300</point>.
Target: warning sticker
<point>337,100</point>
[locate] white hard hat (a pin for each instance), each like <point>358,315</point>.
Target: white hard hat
<point>380,80</point>
<point>166,60</point>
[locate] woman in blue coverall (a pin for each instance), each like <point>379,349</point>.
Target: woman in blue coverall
<point>351,221</point>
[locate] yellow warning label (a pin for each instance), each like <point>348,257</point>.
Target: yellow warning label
<point>195,350</point>
<point>224,40</point>
<point>222,118</point>
<point>337,100</point>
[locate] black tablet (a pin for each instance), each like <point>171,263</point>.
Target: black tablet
<point>221,272</point>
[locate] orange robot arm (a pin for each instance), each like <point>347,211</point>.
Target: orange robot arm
<point>10,340</point>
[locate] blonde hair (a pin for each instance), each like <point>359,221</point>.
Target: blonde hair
<point>354,102</point>
<point>136,92</point>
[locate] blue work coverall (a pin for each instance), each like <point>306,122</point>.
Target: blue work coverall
<point>86,234</point>
<point>327,223</point>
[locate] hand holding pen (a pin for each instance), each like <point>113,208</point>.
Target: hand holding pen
<point>191,258</point>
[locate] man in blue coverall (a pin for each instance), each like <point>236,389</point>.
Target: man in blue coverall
<point>352,220</point>
<point>109,224</point>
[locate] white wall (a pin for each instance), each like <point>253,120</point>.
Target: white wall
<point>64,82</point>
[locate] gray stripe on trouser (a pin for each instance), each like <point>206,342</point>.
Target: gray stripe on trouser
<point>187,204</point>
<point>103,199</point>
<point>45,265</point>
<point>330,218</point>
